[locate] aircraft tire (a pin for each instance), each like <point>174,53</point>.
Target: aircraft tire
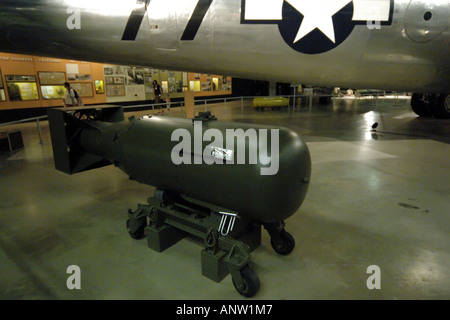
<point>440,106</point>
<point>419,106</point>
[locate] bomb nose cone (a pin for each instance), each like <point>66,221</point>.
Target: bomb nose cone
<point>283,193</point>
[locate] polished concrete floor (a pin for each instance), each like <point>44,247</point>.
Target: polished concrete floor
<point>375,199</point>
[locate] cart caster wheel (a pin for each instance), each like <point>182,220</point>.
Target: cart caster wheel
<point>136,228</point>
<point>285,244</point>
<point>250,285</point>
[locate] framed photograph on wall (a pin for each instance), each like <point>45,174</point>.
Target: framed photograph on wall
<point>109,80</point>
<point>108,71</point>
<point>134,76</point>
<point>84,89</point>
<point>83,77</point>
<point>118,80</point>
<point>115,90</point>
<point>118,70</point>
<point>52,78</point>
<point>51,92</point>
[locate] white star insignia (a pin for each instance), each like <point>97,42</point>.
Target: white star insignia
<point>317,14</point>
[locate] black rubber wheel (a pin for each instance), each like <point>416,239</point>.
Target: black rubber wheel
<point>440,106</point>
<point>251,283</point>
<point>420,107</point>
<point>136,228</point>
<point>285,245</point>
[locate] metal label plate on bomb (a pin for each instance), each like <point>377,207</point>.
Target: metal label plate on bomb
<point>220,153</point>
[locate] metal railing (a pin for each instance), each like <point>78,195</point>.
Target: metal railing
<point>168,105</point>
<point>148,106</point>
<point>37,119</point>
<point>205,102</point>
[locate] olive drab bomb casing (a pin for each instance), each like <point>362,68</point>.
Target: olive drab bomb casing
<point>219,182</point>
<point>144,149</point>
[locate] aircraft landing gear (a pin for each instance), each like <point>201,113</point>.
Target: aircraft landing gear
<point>441,106</point>
<point>420,105</point>
<point>427,105</point>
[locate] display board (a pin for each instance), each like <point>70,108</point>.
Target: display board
<point>134,75</point>
<point>53,92</point>
<point>115,78</point>
<point>30,82</point>
<point>22,88</point>
<point>226,83</point>
<point>2,89</point>
<point>53,78</point>
<point>216,85</point>
<point>79,77</point>
<point>206,83</point>
<point>52,85</point>
<point>165,86</point>
<point>99,87</point>
<point>194,85</point>
<point>84,90</point>
<point>115,90</point>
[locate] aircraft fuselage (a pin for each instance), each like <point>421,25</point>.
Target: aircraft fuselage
<point>377,44</point>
